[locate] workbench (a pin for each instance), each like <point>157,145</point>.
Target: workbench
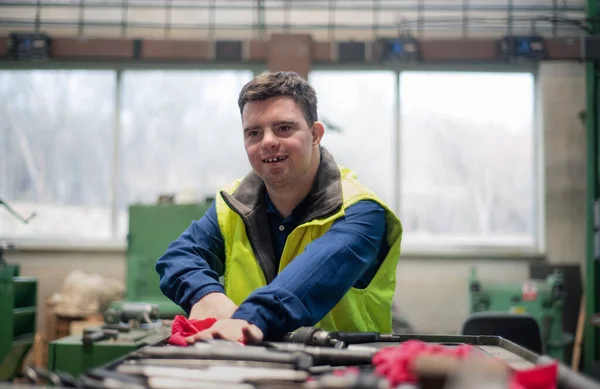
<point>305,363</point>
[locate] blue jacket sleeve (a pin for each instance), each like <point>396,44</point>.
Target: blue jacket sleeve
<point>318,278</point>
<point>191,266</point>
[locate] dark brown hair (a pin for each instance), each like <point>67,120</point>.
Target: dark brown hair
<point>268,85</point>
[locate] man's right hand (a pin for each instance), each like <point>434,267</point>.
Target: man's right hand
<point>215,305</point>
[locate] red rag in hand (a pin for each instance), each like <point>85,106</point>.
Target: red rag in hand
<point>182,328</point>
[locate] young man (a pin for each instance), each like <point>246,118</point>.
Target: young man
<point>299,240</point>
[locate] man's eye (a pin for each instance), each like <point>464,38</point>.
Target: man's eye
<point>252,133</point>
<point>284,128</point>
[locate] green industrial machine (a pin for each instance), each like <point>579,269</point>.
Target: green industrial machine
<point>18,303</point>
<point>151,228</point>
<point>98,346</point>
<point>137,320</point>
<point>591,346</point>
<point>542,299</point>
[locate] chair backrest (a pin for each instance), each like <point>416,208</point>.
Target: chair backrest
<point>522,329</point>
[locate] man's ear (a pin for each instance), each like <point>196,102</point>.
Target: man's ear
<point>317,132</point>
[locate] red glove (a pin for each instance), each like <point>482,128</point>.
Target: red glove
<point>182,328</point>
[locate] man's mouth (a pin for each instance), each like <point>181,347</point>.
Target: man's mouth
<point>274,159</point>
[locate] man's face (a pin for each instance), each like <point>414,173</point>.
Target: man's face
<point>278,141</point>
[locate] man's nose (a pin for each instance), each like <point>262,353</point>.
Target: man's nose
<point>269,140</point>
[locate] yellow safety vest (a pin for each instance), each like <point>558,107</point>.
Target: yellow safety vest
<point>368,309</point>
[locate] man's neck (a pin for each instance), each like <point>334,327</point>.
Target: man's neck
<point>286,199</point>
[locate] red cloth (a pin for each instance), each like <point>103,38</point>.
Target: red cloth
<point>182,328</point>
<point>538,377</point>
<point>395,363</point>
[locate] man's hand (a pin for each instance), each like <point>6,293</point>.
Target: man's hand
<point>229,329</point>
<point>215,305</point>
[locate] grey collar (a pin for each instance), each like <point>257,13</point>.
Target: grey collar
<point>248,201</point>
<point>325,197</point>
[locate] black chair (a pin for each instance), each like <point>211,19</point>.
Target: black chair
<point>521,329</point>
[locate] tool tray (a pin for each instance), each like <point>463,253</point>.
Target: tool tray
<point>151,359</point>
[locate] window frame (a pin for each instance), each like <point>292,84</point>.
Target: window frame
<point>476,249</point>
<point>535,250</point>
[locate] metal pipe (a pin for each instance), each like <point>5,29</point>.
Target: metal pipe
<point>433,24</point>
<point>217,374</point>
<point>203,363</point>
<point>592,192</point>
<point>116,168</point>
<point>81,24</point>
<point>465,16</point>
<point>257,354</point>
<point>169,5</point>
<point>397,146</point>
<point>315,6</point>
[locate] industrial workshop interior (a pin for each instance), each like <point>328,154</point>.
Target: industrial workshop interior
<point>314,194</point>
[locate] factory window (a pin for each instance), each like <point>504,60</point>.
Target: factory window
<point>467,158</point>
<point>357,109</point>
<point>55,152</point>
<point>181,135</point>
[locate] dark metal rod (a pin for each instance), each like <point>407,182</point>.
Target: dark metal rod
<point>376,16</point>
<point>465,18</point>
<point>255,354</point>
<point>169,6</point>
<point>286,15</point>
<point>212,19</point>
<point>38,11</point>
<point>81,17</point>
<point>124,18</point>
<point>15,214</point>
<point>331,19</point>
<point>420,17</point>
<point>509,17</point>
<point>260,9</point>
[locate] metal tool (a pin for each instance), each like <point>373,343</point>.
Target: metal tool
<point>92,334</point>
<point>300,361</point>
<point>133,314</point>
<point>327,355</point>
<point>313,336</point>
<point>223,374</point>
<point>204,363</point>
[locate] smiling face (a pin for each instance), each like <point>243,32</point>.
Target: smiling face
<point>282,148</point>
